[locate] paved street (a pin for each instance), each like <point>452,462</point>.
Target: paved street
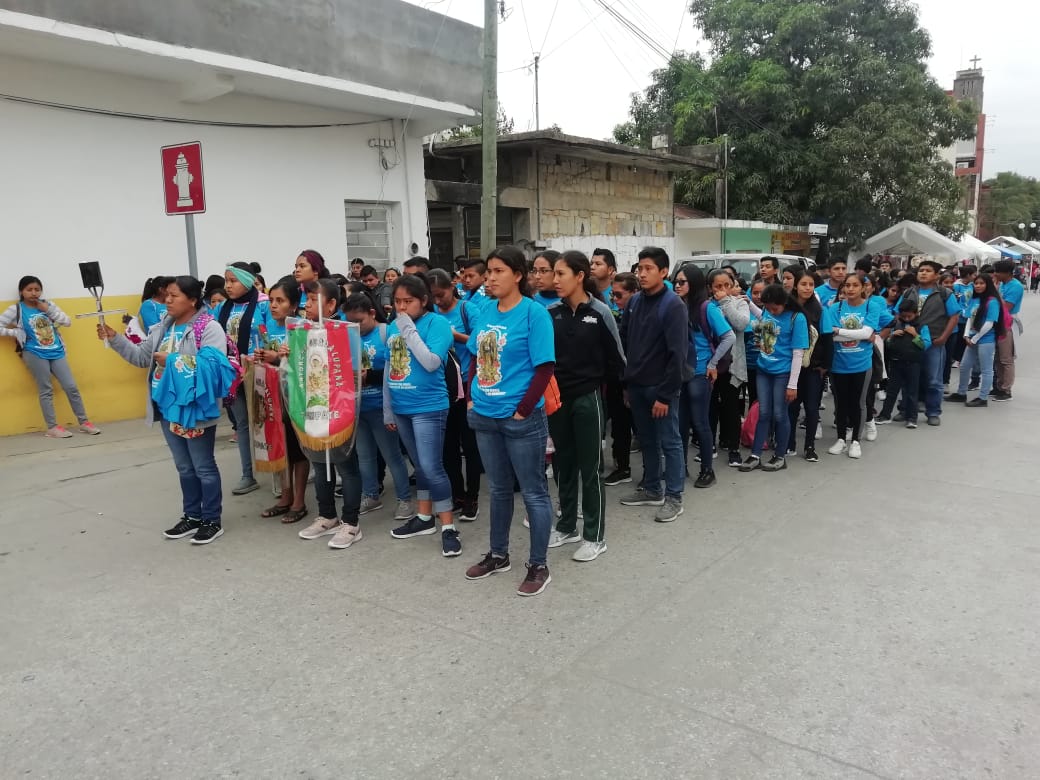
<point>837,620</point>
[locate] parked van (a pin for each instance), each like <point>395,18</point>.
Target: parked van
<point>746,263</point>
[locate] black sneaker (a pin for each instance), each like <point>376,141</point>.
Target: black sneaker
<point>450,544</point>
<point>973,385</point>
<point>1000,395</point>
<point>490,565</point>
<point>618,477</point>
<point>775,463</point>
<point>469,512</point>
<point>186,527</point>
<point>207,533</point>
<point>338,492</point>
<point>811,456</point>
<point>705,479</point>
<point>882,420</point>
<point>976,403</point>
<point>734,459</point>
<point>415,527</point>
<point>751,462</point>
<point>955,397</point>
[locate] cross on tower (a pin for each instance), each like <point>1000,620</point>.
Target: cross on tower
<point>974,62</point>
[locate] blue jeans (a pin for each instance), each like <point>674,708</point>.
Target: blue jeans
<point>932,379</point>
<point>698,394</point>
<point>245,446</point>
<point>200,479</point>
<point>656,435</point>
<point>372,439</point>
<point>325,489</point>
<point>423,437</point>
<point>772,411</point>
<point>511,447</point>
<point>978,358</point>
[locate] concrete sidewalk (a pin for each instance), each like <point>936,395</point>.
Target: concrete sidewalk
<point>841,619</point>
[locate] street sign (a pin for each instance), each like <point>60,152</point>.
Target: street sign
<point>816,229</point>
<point>182,179</point>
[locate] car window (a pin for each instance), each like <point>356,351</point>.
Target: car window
<point>746,268</point>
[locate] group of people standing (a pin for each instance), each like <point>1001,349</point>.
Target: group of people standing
<point>511,364</point>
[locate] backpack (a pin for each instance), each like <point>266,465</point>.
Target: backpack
<point>232,355</point>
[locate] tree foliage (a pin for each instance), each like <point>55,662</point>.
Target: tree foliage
<point>1013,200</point>
<point>504,126</point>
<point>830,109</point>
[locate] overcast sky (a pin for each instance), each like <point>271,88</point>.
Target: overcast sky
<point>590,64</point>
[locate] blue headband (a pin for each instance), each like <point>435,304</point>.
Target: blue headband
<point>243,276</point>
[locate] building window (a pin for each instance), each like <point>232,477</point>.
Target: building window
<point>368,232</point>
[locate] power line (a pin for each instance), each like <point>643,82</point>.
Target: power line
<point>610,45</point>
<point>527,29</point>
<point>552,17</point>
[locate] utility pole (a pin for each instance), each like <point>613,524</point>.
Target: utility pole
<point>537,120</point>
<point>489,131</point>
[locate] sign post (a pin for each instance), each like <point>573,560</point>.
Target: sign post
<point>184,190</point>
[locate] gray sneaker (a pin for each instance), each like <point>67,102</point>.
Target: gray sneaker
<point>404,511</point>
<point>560,538</point>
<point>641,497</point>
<point>370,504</point>
<point>245,486</point>
<point>670,509</point>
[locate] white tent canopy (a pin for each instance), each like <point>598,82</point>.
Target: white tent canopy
<point>1013,243</point>
<point>912,238</point>
<point>979,251</point>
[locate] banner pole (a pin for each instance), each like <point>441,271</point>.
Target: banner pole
<point>321,324</point>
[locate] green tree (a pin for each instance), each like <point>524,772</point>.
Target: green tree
<point>1013,200</point>
<point>829,107</point>
<point>504,125</point>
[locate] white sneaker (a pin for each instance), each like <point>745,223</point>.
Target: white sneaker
<point>589,551</point>
<point>404,510</point>
<point>838,447</point>
<point>345,536</point>
<point>819,432</point>
<point>882,395</point>
<point>871,430</point>
<point>323,526</point>
<point>854,450</point>
<point>559,538</point>
<point>58,432</point>
<point>370,504</point>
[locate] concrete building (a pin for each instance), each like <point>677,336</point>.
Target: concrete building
<point>968,157</point>
<point>556,191</point>
<point>310,117</point>
<point>699,233</point>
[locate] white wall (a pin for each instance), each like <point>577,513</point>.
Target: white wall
<point>691,241</point>
<point>625,248</point>
<point>76,186</point>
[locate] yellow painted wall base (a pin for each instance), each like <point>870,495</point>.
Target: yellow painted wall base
<point>112,389</point>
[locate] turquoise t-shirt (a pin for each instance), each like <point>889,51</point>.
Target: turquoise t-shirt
<point>719,327</point>
<point>41,334</point>
<point>373,358</point>
<point>151,314</point>
<point>1012,291</point>
<point>879,306</point>
<point>271,334</point>
<point>826,294</point>
<point>851,357</point>
<point>455,320</point>
<point>260,316</point>
<point>171,345</point>
<point>992,312</point>
<point>963,292</point>
<point>507,347</point>
<point>413,389</point>
<point>779,336</point>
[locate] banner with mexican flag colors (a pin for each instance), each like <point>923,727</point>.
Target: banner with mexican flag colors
<point>324,374</point>
<point>265,418</point>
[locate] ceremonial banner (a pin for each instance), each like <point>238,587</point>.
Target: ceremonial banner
<point>324,381</point>
<point>265,416</point>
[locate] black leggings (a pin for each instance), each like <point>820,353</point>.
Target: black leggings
<point>724,412</point>
<point>850,396</point>
<point>460,440</point>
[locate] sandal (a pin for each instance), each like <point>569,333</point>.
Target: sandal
<point>294,515</point>
<point>275,511</point>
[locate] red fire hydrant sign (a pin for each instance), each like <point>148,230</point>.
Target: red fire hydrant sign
<point>182,178</point>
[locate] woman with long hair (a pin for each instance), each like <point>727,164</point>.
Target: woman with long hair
<point>416,402</point>
<point>784,334</point>
<point>588,354</point>
<point>815,362</point>
<point>309,267</point>
<point>33,322</point>
<point>985,325</point>
<point>513,350</point>
<point>724,411</point>
<point>459,440</point>
<point>181,340</point>
<point>241,316</point>
<point>853,322</point>
<point>711,341</point>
